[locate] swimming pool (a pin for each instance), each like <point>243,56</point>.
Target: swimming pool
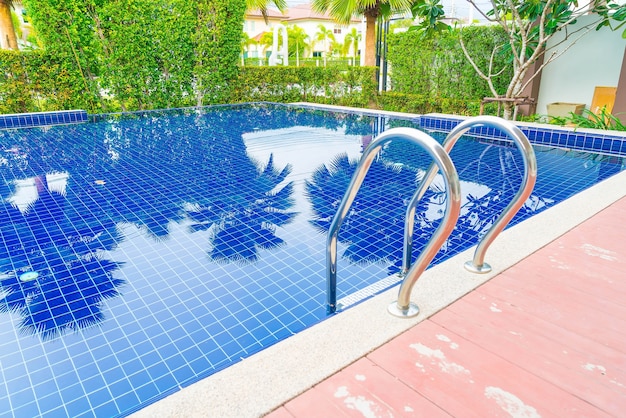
<point>143,252</point>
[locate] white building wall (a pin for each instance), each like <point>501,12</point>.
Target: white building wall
<point>311,29</point>
<point>594,60</point>
<point>254,25</point>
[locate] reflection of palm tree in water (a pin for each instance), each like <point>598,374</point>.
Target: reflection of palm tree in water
<point>498,168</point>
<point>374,227</point>
<point>51,270</point>
<point>244,218</point>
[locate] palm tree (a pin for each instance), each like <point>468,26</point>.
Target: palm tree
<point>267,41</point>
<point>324,35</point>
<point>351,42</point>
<point>298,42</point>
<point>246,43</point>
<point>262,5</point>
<point>337,48</point>
<point>343,10</point>
<point>6,25</point>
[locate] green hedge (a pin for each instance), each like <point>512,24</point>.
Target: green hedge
<point>37,81</point>
<point>330,85</point>
<point>437,67</point>
<point>419,103</point>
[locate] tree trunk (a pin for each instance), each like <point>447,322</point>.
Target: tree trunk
<point>508,110</point>
<point>370,36</point>
<point>7,30</point>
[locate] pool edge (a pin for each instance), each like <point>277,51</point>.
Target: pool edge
<point>263,382</point>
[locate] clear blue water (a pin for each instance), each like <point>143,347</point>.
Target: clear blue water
<point>140,253</point>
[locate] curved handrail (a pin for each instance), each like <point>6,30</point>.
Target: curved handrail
<point>477,264</point>
<point>453,207</point>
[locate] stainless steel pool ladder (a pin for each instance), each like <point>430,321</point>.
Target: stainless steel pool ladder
<point>403,307</point>
<point>477,264</point>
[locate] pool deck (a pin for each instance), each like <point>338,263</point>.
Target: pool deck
<point>543,334</point>
<point>546,337</point>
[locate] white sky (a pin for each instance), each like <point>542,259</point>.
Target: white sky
<point>453,8</point>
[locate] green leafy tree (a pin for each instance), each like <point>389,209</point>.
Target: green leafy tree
<point>325,36</point>
<point>267,40</point>
<point>65,30</point>
<point>147,57</point>
<point>217,41</point>
<point>529,25</point>
<point>613,16</point>
<point>298,42</point>
<point>246,43</point>
<point>343,10</point>
<point>351,43</point>
<point>338,49</point>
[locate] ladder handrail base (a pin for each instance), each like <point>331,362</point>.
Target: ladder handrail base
<point>410,312</point>
<point>473,268</point>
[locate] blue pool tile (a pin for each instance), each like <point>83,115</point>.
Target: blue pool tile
<point>71,392</point>
<point>157,369</point>
<point>147,391</point>
<point>234,349</point>
<point>168,349</point>
<point>150,358</point>
<point>579,141</point>
<point>132,367</point>
<point>141,378</point>
<point>107,409</point>
<point>77,407</point>
<point>182,374</point>
<point>597,144</point>
<point>616,145</point>
<point>93,383</point>
<point>176,361</point>
<point>43,374</point>
<point>208,346</point>
<point>50,402</point>
<point>168,383</point>
<point>217,358</point>
<point>120,388</point>
<point>18,383</point>
<point>22,396</point>
<point>200,365</point>
<point>26,410</point>
<point>126,401</point>
<point>192,353</point>
<point>250,342</point>
<point>25,120</point>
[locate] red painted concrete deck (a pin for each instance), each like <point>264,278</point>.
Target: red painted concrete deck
<point>546,337</point>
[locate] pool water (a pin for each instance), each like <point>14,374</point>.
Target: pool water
<point>142,252</point>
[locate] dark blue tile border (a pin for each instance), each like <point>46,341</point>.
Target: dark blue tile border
<point>572,139</point>
<point>27,120</point>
